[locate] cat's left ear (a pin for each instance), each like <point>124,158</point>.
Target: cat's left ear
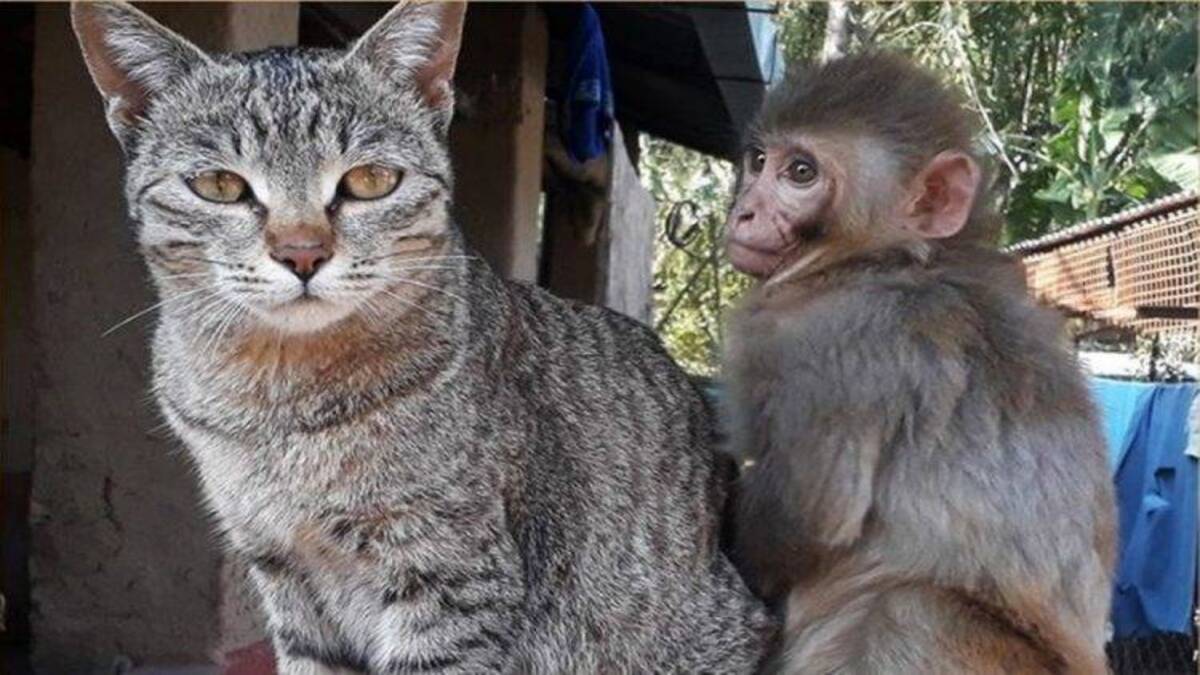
<point>418,42</point>
<point>132,59</point>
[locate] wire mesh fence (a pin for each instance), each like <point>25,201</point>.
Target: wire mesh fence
<point>1139,268</point>
<point>1157,654</point>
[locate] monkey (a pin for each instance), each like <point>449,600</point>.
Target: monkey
<point>926,486</point>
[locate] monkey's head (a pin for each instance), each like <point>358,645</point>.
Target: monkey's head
<point>858,154</point>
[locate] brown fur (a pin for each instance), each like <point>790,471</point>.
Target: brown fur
<point>928,489</point>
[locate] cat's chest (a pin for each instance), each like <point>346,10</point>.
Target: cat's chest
<point>279,480</point>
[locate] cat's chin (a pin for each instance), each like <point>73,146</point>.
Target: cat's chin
<point>309,315</point>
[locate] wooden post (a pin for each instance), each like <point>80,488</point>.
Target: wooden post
<point>600,229</point>
<point>496,139</point>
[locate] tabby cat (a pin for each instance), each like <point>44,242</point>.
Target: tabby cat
<point>428,468</point>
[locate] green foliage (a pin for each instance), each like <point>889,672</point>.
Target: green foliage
<point>1087,108</point>
<point>693,284</point>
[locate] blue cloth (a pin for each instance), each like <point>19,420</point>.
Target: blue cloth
<point>1147,427</point>
<point>587,111</point>
<point>1120,404</point>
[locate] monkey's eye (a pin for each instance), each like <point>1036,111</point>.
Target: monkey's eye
<point>801,172</point>
<point>369,181</point>
<point>756,159</point>
<point>223,187</point>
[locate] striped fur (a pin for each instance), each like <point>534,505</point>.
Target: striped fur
<point>429,470</point>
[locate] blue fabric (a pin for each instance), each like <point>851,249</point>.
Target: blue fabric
<point>1120,404</point>
<point>587,114</point>
<point>1156,501</point>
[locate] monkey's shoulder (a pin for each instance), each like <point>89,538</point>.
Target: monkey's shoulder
<point>848,307</point>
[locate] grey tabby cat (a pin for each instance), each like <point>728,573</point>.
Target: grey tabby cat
<point>429,469</point>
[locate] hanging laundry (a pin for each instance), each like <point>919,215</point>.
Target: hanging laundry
<point>587,112</point>
<point>1156,481</point>
<point>1120,403</point>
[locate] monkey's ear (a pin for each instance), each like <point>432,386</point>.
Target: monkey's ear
<point>941,196</point>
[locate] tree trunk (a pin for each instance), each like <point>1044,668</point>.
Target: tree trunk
<point>838,27</point>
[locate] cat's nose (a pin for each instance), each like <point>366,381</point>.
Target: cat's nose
<point>303,252</point>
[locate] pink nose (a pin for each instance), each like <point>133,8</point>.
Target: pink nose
<point>303,251</point>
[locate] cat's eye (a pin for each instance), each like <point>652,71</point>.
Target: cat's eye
<point>224,187</point>
<point>369,181</point>
<point>801,172</point>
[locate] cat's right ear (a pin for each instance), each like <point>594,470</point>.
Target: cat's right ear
<point>417,42</point>
<point>132,58</point>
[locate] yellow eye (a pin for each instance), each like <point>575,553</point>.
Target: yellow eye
<point>369,181</point>
<point>224,187</point>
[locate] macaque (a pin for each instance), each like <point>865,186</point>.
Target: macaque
<point>926,487</point>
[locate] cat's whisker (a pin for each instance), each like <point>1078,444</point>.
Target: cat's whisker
<point>223,263</point>
<point>405,268</point>
<point>414,305</point>
<point>435,289</point>
<point>373,313</point>
<point>185,276</point>
<point>228,315</point>
<point>418,259</point>
<point>162,303</point>
<point>232,311</point>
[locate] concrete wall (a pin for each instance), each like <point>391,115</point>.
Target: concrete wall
<point>124,562</point>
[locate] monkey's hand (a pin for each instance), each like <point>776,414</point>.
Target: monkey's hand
<point>826,395</point>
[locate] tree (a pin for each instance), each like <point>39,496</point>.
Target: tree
<point>1087,108</point>
<point>693,283</point>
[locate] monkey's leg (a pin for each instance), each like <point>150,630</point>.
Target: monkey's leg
<point>909,629</point>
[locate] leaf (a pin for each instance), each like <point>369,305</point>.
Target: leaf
<point>1113,124</point>
<point>1181,168</point>
<point>1057,192</point>
<point>1066,108</point>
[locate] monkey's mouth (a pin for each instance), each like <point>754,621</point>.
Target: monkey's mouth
<point>757,261</point>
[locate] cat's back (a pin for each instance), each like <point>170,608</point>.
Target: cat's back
<point>625,491</point>
<point>589,356</point>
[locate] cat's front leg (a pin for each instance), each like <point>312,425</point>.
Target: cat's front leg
<point>289,665</point>
<point>454,614</point>
<point>304,640</point>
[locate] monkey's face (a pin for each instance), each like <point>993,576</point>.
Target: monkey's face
<point>784,204</point>
<point>808,199</point>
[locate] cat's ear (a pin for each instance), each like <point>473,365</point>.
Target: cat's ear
<point>131,57</point>
<point>418,42</point>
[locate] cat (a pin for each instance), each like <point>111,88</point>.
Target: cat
<point>427,468</point>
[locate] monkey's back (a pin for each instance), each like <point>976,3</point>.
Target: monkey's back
<point>989,525</point>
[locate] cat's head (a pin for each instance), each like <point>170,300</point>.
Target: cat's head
<point>294,185</point>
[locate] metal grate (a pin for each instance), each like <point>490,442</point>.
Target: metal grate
<point>1156,654</point>
<point>1138,269</point>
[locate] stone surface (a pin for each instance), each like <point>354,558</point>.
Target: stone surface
<point>125,566</point>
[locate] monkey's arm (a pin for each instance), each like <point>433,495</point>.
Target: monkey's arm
<point>850,380</point>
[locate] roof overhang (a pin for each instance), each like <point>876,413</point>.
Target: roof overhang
<point>691,73</point>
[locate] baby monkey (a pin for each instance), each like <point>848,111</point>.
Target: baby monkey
<point>927,490</point>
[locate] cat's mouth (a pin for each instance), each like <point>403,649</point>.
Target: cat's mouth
<point>306,312</point>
